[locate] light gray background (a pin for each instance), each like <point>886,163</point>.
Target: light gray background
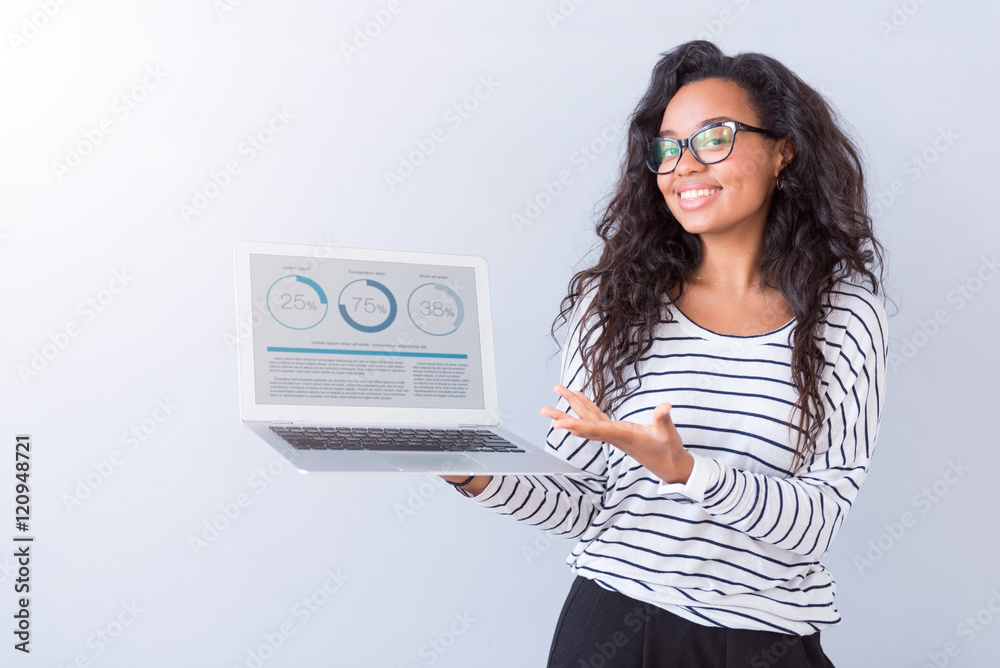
<point>910,78</point>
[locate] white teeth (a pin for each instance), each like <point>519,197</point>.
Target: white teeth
<point>695,194</point>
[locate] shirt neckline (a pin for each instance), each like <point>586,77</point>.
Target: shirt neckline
<point>779,335</point>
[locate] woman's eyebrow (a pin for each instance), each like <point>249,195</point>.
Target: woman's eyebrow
<point>707,121</point>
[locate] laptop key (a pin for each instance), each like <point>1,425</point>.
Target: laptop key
<point>399,447</point>
<point>396,439</point>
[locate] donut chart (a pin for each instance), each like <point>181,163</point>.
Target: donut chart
<point>436,309</point>
<point>297,302</point>
<point>367,305</point>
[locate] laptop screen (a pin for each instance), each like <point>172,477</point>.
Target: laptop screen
<point>365,333</point>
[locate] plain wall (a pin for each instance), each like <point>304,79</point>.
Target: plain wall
<point>158,99</point>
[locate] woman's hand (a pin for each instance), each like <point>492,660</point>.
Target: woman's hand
<point>658,446</point>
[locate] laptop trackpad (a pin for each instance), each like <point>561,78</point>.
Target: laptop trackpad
<point>446,462</point>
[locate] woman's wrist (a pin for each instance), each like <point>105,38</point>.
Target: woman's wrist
<point>466,487</point>
<point>674,468</point>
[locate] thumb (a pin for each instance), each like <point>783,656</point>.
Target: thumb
<point>664,429</point>
<point>662,423</point>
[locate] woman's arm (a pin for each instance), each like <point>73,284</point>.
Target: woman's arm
<point>563,505</point>
<point>803,513</point>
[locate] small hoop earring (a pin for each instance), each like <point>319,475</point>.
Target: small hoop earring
<point>780,183</point>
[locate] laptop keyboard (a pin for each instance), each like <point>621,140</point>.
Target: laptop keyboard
<point>406,440</point>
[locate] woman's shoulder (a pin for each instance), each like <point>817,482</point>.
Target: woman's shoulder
<point>856,311</point>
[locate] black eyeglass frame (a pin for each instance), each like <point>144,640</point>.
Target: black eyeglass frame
<point>735,126</point>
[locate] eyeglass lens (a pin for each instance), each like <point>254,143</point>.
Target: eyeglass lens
<point>711,145</point>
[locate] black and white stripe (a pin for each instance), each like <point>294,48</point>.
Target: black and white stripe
<point>748,555</point>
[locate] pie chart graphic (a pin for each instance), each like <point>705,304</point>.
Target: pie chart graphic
<point>297,302</point>
<point>436,309</point>
<point>367,305</point>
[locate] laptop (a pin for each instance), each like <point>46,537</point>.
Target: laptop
<point>361,360</point>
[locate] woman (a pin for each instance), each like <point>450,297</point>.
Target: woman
<point>736,365</point>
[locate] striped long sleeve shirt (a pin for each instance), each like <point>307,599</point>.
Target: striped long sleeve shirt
<point>739,544</point>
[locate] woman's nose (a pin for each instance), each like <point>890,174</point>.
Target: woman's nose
<point>687,163</point>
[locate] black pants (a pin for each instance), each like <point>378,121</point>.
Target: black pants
<point>598,628</point>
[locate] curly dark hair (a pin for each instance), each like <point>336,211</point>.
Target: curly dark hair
<point>817,229</point>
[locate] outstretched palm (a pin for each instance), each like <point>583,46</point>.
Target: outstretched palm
<point>656,446</point>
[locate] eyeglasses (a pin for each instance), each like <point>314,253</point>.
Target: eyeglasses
<point>713,143</point>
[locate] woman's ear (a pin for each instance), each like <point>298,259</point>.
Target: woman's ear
<point>787,150</point>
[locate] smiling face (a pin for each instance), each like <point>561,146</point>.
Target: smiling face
<point>734,192</point>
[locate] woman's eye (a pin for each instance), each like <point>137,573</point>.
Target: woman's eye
<point>668,150</point>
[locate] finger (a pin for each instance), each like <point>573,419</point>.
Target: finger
<point>582,404</point>
<point>553,413</point>
<point>662,420</point>
<point>577,401</point>
<point>592,412</point>
<point>584,428</point>
<point>662,412</point>
<point>664,424</point>
<point>580,396</point>
<point>617,433</point>
<point>571,395</point>
<point>566,394</point>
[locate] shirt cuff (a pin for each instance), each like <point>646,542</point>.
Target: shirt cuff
<point>703,476</point>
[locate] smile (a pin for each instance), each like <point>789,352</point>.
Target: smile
<point>696,194</point>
